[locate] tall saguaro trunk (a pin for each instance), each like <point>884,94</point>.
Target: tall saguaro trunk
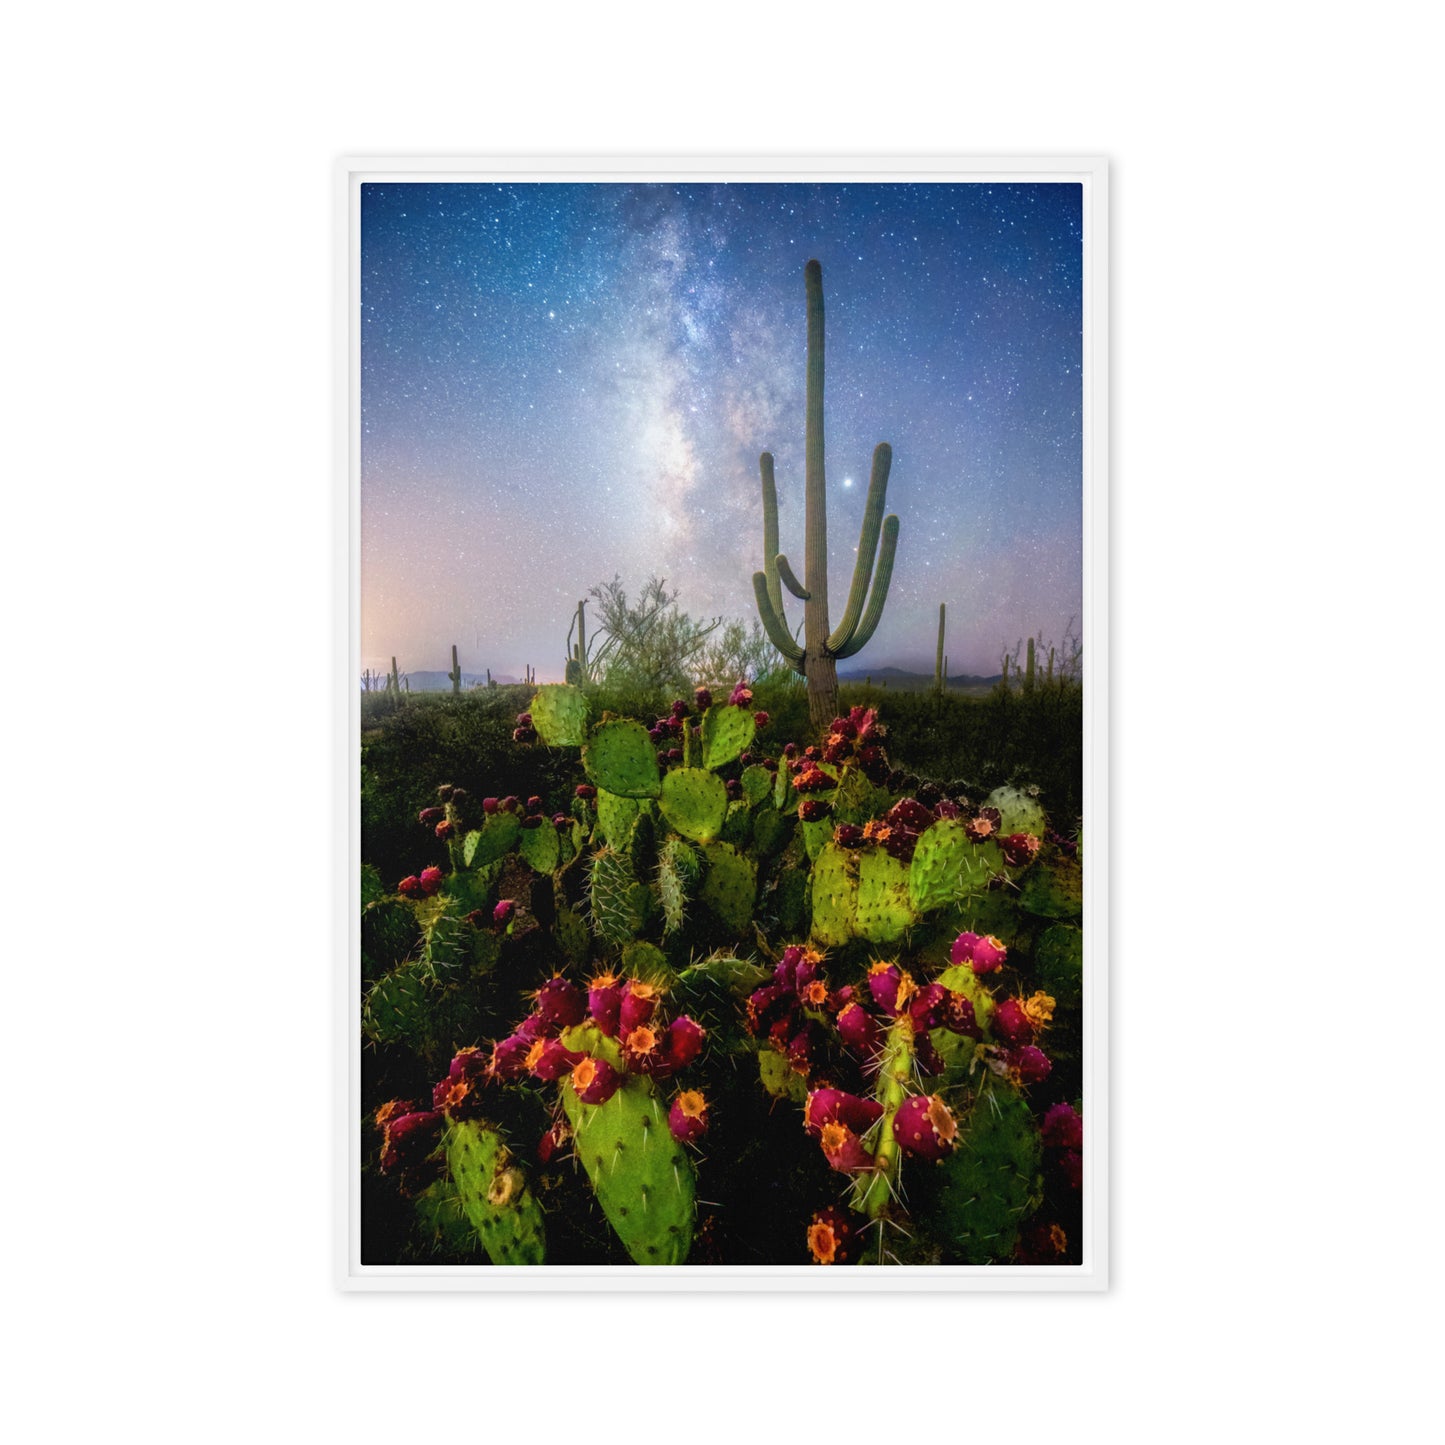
<point>816,658</point>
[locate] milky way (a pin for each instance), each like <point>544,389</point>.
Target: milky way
<point>563,382</point>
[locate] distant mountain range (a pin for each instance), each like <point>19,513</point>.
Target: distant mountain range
<point>442,681</point>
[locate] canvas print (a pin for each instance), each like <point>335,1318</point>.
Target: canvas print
<point>721,663</point>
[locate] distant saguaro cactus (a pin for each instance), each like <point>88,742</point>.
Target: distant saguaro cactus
<point>816,658</point>
<point>1029,669</point>
<point>576,670</point>
<point>394,682</point>
<point>456,673</point>
<point>940,670</point>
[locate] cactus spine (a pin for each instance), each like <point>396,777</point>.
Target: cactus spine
<point>940,670</point>
<point>816,658</point>
<point>456,673</point>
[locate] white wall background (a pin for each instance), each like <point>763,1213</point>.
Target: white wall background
<point>166,592</point>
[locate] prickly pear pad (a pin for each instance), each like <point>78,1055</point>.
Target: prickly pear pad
<point>620,757</point>
<point>615,918</point>
<point>642,1177</point>
<point>726,731</point>
<point>559,714</point>
<point>835,896</point>
<point>1054,889</point>
<point>947,866</point>
<point>1019,812</point>
<point>1059,957</point>
<point>816,834</point>
<point>730,886</point>
<point>885,911</point>
<point>396,1007</point>
<point>695,802</point>
<point>494,1194</point>
<point>615,817</point>
<point>757,784</point>
<point>494,838</point>
<point>990,1183</point>
<point>540,846</point>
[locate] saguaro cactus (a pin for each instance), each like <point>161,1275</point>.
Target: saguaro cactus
<point>395,679</point>
<point>940,672</point>
<point>1029,668</point>
<point>456,673</point>
<point>816,658</point>
<point>576,669</point>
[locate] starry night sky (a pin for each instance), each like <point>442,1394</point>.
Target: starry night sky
<point>565,381</point>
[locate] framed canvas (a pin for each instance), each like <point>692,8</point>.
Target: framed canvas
<point>722,667</point>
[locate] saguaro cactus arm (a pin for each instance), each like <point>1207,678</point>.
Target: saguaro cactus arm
<point>881,578</point>
<point>774,625</point>
<point>867,546</point>
<point>789,578</point>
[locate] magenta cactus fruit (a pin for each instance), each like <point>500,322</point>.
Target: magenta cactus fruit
<point>1019,849</point>
<point>431,881</point>
<point>828,1105</point>
<point>586,790</point>
<point>687,1119</point>
<point>946,808</point>
<point>490,806</point>
<point>409,1138</point>
<point>910,814</point>
<point>1011,1023</point>
<point>593,1080</point>
<point>509,1056</point>
<point>989,955</point>
<point>761,720</point>
<point>1063,1127</point>
<point>1071,1166</point>
<point>428,816</point>
<point>959,1016</point>
<point>1031,1064</point>
<point>814,810</point>
<point>643,1050</point>
<point>510,803</point>
<point>703,697</point>
<point>848,835</point>
<point>561,820</point>
<point>505,911</point>
<point>638,1004</point>
<point>843,1149</point>
<point>985,825</point>
<point>524,735</point>
<point>524,719</point>
<point>534,804</point>
<point>812,780</point>
<point>445,829</point>
<point>549,1060</point>
<point>604,1002</point>
<point>928,1007</point>
<point>962,950</point>
<point>831,1236</point>
<point>742,695</point>
<point>768,1005</point>
<point>560,1003</point>
<point>552,1141</point>
<point>685,1038</point>
<point>925,1127</point>
<point>859,1030</point>
<point>890,986</point>
<point>410,887</point>
<point>532,820</point>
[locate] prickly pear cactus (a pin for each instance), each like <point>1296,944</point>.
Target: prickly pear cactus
<point>884,910</point>
<point>540,846</point>
<point>396,1009</point>
<point>694,802</point>
<point>757,784</point>
<point>726,732</point>
<point>1019,812</point>
<point>947,866</point>
<point>1059,959</point>
<point>642,1176</point>
<point>489,842</point>
<point>615,817</point>
<point>834,897</point>
<point>389,932</point>
<point>730,886</point>
<point>1054,889</point>
<point>616,918</point>
<point>559,714</point>
<point>678,871</point>
<point>990,1184</point>
<point>620,757</point>
<point>494,1194</point>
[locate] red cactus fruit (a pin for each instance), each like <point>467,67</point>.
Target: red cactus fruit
<point>510,804</point>
<point>410,887</point>
<point>505,911</point>
<point>831,1236</point>
<point>553,1140</point>
<point>859,1030</point>
<point>1011,1023</point>
<point>814,810</point>
<point>1071,1166</point>
<point>490,806</point>
<point>790,750</point>
<point>741,696</point>
<point>925,1127</point>
<point>769,1005</point>
<point>674,755</point>
<point>509,1056</point>
<point>734,789</point>
<point>761,720</point>
<point>688,1117</point>
<point>409,1138</point>
<point>1019,849</point>
<point>656,734</point>
<point>927,1007</point>
<point>800,1048</point>
<point>524,719</point>
<point>892,987</point>
<point>962,950</point>
<point>445,791</point>
<point>604,1002</point>
<point>561,821</point>
<point>1030,1064</point>
<point>786,972</point>
<point>1063,1127</point>
<point>560,1003</point>
<point>548,1060</point>
<point>639,1003</point>
<point>445,829</point>
<point>958,1014</point>
<point>989,955</point>
<point>812,780</point>
<point>431,881</point>
<point>585,790</point>
<point>946,808</point>
<point>828,1105</point>
<point>848,835</point>
<point>680,707</point>
<point>394,1109</point>
<point>985,825</point>
<point>642,1049</point>
<point>685,1038</point>
<point>428,816</point>
<point>594,1081</point>
<point>524,735</point>
<point>532,820</point>
<point>843,1149</point>
<point>534,804</point>
<point>909,813</point>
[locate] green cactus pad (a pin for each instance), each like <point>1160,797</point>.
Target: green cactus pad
<point>443,1225</point>
<point>834,896</point>
<point>615,916</point>
<point>779,1078</point>
<point>489,842</point>
<point>494,1194</point>
<point>647,962</point>
<point>739,976</point>
<point>772,830</point>
<point>397,1006</point>
<point>737,828</point>
<point>757,784</point>
<point>885,911</point>
<point>1020,813</point>
<point>1054,889</point>
<point>559,713</point>
<point>782,789</point>
<point>790,902</point>
<point>620,757</point>
<point>676,876</point>
<point>726,732</point>
<point>995,911</point>
<point>642,844</point>
<point>730,886</point>
<point>642,1176</point>
<point>957,1050</point>
<point>615,817</point>
<point>572,935</point>
<point>372,888</point>
<point>540,847</point>
<point>694,802</point>
<point>1059,960</point>
<point>989,1185</point>
<point>389,932</point>
<point>816,834</point>
<point>947,867</point>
